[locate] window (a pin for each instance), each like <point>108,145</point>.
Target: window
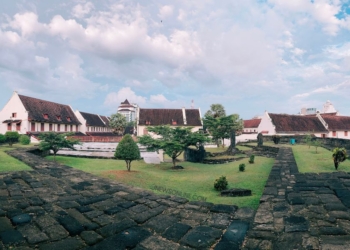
<point>46,116</point>
<point>50,127</point>
<point>148,122</point>
<point>42,126</point>
<point>345,133</point>
<point>14,115</point>
<point>58,127</point>
<point>334,133</point>
<point>76,128</point>
<point>65,128</point>
<point>71,127</point>
<point>33,126</point>
<point>18,126</point>
<point>68,119</point>
<point>173,122</point>
<point>58,117</point>
<point>9,126</point>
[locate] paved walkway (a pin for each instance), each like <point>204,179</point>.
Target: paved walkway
<point>58,207</point>
<point>301,211</point>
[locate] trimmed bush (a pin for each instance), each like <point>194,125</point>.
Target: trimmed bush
<point>11,137</point>
<point>127,150</point>
<point>2,138</point>
<point>242,167</point>
<point>251,159</point>
<point>221,183</point>
<point>24,140</point>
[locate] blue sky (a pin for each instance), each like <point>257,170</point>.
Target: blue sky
<point>250,56</point>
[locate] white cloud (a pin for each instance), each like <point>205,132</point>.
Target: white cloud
<point>158,99</point>
<point>114,99</point>
<point>80,10</point>
<point>27,23</point>
<point>166,11</point>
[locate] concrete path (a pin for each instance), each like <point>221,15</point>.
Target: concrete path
<point>58,207</point>
<point>302,211</point>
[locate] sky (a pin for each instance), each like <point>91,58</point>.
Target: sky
<point>250,56</point>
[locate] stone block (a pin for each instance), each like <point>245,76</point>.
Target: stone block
<point>176,231</point>
<point>71,225</point>
<point>91,237</point>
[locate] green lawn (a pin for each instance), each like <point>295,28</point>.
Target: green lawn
<point>309,161</point>
<point>8,163</point>
<point>196,179</point>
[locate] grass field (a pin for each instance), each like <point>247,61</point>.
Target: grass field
<point>8,163</point>
<point>196,179</point>
<point>309,161</point>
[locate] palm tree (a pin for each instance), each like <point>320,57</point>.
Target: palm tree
<point>339,155</point>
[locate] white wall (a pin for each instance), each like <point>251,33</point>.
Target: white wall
<point>266,125</point>
<point>14,105</point>
<point>81,119</point>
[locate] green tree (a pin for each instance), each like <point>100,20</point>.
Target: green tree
<point>221,127</point>
<point>172,140</point>
<point>339,155</point>
<point>316,144</point>
<point>216,110</point>
<point>127,150</point>
<point>11,137</point>
<point>308,139</point>
<point>118,123</point>
<point>56,141</point>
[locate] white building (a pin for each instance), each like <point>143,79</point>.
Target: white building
<point>128,110</point>
<point>29,115</point>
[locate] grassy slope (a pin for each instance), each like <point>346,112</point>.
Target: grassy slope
<point>197,179</point>
<point>309,161</point>
<point>8,163</point>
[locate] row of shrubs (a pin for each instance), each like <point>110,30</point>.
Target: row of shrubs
<point>12,137</point>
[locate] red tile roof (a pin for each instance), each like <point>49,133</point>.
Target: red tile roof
<point>38,108</point>
<point>296,123</point>
<point>92,120</point>
<point>337,122</point>
<point>157,117</point>
<point>253,123</point>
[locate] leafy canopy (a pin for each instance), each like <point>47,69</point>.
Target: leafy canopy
<point>339,155</point>
<point>127,150</point>
<point>221,127</point>
<point>216,110</point>
<point>56,141</point>
<point>172,140</point>
<point>118,123</point>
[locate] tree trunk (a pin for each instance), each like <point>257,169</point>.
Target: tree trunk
<point>223,142</point>
<point>173,161</point>
<point>128,165</point>
<point>336,164</point>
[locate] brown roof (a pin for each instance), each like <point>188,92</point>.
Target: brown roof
<point>92,120</point>
<point>193,117</point>
<point>296,123</point>
<point>253,123</point>
<point>105,119</point>
<point>168,116</point>
<point>126,102</point>
<point>57,113</point>
<point>337,122</point>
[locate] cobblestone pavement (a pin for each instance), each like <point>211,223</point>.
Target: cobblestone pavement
<point>301,211</point>
<point>58,207</point>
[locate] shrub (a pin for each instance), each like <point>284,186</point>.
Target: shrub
<point>242,167</point>
<point>24,140</point>
<point>276,139</point>
<point>11,137</point>
<point>251,159</point>
<point>221,183</point>
<point>339,155</point>
<point>2,138</point>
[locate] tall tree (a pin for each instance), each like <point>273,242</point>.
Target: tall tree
<point>127,150</point>
<point>118,123</point>
<point>221,127</point>
<point>216,111</point>
<point>56,141</point>
<point>172,140</point>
